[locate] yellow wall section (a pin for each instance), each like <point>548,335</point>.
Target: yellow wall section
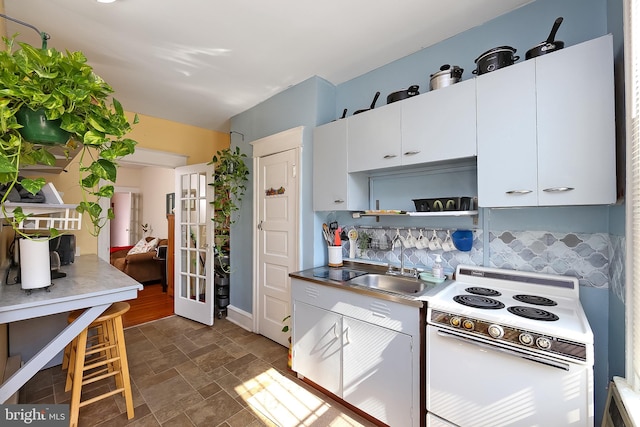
<point>158,134</point>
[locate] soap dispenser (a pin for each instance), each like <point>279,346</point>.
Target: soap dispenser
<point>437,271</point>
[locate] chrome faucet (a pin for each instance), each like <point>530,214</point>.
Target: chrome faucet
<point>410,272</point>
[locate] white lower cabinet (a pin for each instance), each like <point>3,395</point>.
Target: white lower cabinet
<point>362,349</point>
<point>318,346</point>
<point>375,358</point>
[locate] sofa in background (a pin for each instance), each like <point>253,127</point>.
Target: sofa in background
<point>143,267</point>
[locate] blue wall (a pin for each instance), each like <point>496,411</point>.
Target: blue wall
<point>302,105</point>
<point>316,102</point>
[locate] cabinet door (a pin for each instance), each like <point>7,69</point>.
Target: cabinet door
<point>317,343</point>
<point>330,166</point>
<point>507,153</point>
<point>333,187</point>
<point>440,125</point>
<point>378,373</point>
<point>374,139</point>
<point>576,134</point>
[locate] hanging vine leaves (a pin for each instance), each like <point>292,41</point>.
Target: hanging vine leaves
<point>229,184</point>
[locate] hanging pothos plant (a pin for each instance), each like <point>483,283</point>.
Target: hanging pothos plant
<point>65,88</point>
<point>229,184</point>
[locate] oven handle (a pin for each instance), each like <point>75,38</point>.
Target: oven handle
<point>470,340</point>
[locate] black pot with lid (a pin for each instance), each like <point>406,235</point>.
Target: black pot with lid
<point>494,59</point>
<point>447,76</point>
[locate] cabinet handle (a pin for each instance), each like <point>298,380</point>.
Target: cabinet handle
<point>260,225</point>
<point>337,201</point>
<point>558,189</point>
<point>390,156</point>
<point>518,191</point>
<point>335,331</point>
<point>411,153</point>
<point>346,336</point>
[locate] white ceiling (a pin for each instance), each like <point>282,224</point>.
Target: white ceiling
<point>200,62</point>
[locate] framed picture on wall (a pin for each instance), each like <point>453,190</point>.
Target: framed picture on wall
<point>170,203</point>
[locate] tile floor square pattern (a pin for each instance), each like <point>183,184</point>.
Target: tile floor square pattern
<point>187,374</point>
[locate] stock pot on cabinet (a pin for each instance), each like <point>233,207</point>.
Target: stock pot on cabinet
<point>494,59</point>
<point>447,76</point>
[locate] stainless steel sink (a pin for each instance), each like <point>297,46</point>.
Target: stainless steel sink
<point>401,285</point>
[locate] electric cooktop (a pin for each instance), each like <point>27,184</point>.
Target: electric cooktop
<point>340,274</point>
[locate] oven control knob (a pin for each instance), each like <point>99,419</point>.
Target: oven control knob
<point>496,331</point>
<point>455,321</point>
<point>543,343</point>
<point>526,339</point>
<point>468,324</point>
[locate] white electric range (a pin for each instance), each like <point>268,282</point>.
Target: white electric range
<point>508,348</point>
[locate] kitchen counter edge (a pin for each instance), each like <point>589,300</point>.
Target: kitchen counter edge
<point>415,300</point>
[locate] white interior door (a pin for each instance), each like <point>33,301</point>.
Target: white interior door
<point>120,224</point>
<point>193,293</point>
<point>126,225</point>
<point>276,190</point>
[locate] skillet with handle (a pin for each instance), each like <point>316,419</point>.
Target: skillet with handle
<point>373,104</point>
<point>549,45</point>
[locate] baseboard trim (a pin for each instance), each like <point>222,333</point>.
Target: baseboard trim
<point>240,318</point>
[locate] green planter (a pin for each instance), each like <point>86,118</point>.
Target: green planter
<point>38,130</point>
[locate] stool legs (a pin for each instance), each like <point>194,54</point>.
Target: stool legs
<point>76,366</point>
<point>124,366</point>
<point>97,357</point>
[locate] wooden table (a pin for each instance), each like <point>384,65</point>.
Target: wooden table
<point>91,284</point>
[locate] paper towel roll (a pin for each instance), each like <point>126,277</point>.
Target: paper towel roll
<point>35,267</point>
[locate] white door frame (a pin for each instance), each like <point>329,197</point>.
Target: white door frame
<point>141,157</point>
<point>291,139</point>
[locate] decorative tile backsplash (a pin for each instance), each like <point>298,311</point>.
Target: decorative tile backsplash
<point>596,259</point>
<point>585,256</point>
<point>617,270</point>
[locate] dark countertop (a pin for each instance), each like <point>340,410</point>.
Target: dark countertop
<point>338,277</point>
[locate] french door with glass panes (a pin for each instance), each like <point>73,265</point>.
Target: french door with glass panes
<point>193,293</point>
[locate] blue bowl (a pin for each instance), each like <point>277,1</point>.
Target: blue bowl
<point>463,240</point>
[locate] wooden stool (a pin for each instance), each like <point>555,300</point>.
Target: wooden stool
<point>103,355</point>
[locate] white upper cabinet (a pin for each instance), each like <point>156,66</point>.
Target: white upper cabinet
<point>436,126</point>
<point>576,125</point>
<point>333,187</point>
<point>507,165</point>
<point>440,125</point>
<point>374,139</point>
<point>546,132</point>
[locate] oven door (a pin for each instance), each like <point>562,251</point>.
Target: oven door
<point>471,382</point>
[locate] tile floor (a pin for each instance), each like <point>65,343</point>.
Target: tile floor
<point>187,374</point>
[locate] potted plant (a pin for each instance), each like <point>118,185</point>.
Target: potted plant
<point>229,184</point>
<point>364,242</point>
<point>65,89</point>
